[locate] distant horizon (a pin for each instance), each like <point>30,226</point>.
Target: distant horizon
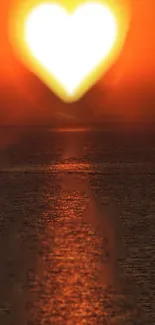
<point>102,126</point>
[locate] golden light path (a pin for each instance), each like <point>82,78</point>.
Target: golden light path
<point>68,46</point>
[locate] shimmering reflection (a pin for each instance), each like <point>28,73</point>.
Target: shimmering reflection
<point>76,259</point>
<point>72,167</point>
<point>70,292</point>
<point>58,247</point>
<point>72,278</point>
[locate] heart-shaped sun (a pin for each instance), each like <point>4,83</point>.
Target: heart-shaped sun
<point>68,47</point>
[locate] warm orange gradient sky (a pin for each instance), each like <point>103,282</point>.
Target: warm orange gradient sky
<point>127,92</point>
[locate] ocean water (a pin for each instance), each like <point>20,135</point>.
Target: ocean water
<point>70,204</point>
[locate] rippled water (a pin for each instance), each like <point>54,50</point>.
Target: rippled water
<point>55,267</point>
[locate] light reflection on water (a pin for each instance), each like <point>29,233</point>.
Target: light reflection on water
<point>60,261</point>
<point>74,270</point>
<point>71,260</point>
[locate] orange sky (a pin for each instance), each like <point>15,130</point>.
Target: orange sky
<point>126,91</point>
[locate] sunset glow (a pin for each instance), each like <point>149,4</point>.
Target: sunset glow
<point>123,89</point>
<point>69,48</point>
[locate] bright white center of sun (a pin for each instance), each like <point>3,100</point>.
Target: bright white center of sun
<point>70,46</point>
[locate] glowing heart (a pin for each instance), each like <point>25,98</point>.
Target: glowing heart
<point>68,49</point>
<point>70,46</point>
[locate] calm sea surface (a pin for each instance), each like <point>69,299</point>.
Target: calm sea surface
<point>52,269</point>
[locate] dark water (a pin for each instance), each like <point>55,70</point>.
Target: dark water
<point>55,266</point>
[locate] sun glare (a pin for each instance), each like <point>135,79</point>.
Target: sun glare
<point>68,45</point>
<point>62,42</point>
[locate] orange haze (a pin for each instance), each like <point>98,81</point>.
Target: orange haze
<point>126,92</point>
